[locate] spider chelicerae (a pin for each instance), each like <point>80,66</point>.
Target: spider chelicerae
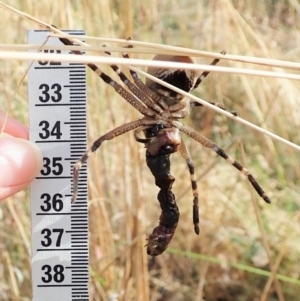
<point>162,108</point>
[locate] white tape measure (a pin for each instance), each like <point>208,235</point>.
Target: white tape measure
<point>57,112</point>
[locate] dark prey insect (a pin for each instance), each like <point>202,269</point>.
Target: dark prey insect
<point>161,109</point>
<point>160,143</point>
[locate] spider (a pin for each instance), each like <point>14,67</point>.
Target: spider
<point>161,109</point>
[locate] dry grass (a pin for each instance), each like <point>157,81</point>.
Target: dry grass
<point>243,240</point>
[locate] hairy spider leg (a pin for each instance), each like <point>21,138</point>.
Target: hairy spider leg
<point>134,101</point>
<point>205,73</point>
<point>152,94</point>
<point>127,127</point>
<point>186,155</point>
<point>140,91</point>
<point>210,144</point>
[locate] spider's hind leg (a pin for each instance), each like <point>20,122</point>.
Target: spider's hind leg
<point>244,171</point>
<point>210,144</point>
<point>185,154</point>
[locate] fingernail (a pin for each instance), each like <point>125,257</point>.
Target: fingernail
<point>14,127</point>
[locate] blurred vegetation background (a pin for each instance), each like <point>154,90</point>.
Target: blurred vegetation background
<point>242,239</point>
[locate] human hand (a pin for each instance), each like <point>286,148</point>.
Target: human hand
<point>20,159</point>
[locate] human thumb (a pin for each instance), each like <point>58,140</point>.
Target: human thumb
<point>20,161</point>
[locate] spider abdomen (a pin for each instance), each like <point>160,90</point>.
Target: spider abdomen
<point>180,78</point>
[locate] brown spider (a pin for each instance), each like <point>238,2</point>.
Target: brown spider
<point>162,108</point>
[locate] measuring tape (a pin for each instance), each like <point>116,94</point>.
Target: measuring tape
<point>57,113</point>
